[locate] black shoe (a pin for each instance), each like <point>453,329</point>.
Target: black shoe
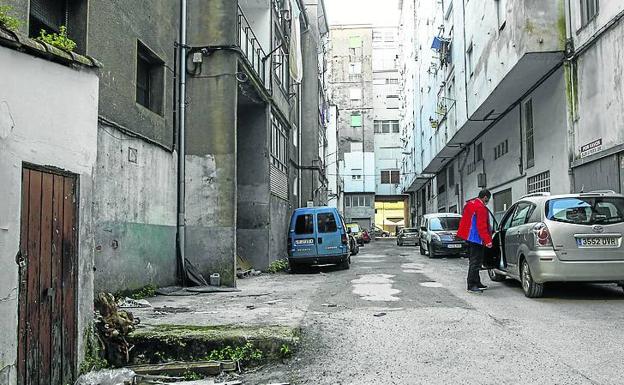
<point>475,290</point>
<point>482,286</point>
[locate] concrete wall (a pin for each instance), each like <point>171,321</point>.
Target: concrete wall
<point>48,117</point>
<point>135,208</point>
<point>211,143</point>
<point>253,206</point>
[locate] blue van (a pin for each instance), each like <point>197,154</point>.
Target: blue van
<point>318,235</point>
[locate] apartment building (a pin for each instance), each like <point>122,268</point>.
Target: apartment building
<point>351,86</point>
<point>492,98</point>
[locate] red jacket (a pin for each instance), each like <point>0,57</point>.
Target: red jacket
<point>475,223</point>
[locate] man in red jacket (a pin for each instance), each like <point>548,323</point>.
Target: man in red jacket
<point>474,228</point>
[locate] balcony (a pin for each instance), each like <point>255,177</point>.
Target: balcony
<point>252,50</point>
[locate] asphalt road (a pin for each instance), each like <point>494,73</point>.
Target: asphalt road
<point>397,317</point>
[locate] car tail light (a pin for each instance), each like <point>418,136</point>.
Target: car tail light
<point>542,235</point>
<point>344,239</point>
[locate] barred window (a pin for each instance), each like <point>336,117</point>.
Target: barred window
<point>539,183</point>
<point>279,144</point>
<point>589,9</point>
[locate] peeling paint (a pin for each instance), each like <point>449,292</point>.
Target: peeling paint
<point>202,195</point>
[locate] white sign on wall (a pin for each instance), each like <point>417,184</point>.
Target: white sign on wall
<point>591,148</point>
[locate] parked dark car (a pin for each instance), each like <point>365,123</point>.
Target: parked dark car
<point>438,236</point>
<point>381,233</point>
<point>355,230</point>
<point>408,236</point>
<point>354,248</point>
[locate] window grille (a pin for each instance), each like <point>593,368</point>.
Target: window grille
<point>539,183</point>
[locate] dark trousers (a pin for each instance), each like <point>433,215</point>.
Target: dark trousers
<point>477,252</point>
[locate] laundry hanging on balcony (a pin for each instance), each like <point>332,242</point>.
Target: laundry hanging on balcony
<point>296,62</point>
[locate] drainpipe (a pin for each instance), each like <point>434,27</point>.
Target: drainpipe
<point>299,143</point>
<point>182,142</point>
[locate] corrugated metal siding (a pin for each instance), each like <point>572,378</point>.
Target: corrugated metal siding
<point>603,174</point>
<point>279,183</point>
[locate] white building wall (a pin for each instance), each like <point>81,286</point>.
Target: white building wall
<point>357,172</point>
<point>332,158</point>
<point>48,117</point>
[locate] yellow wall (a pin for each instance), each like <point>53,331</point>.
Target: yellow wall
<point>389,212</point>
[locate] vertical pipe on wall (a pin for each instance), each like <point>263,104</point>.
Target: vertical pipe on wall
<point>182,142</point>
<point>299,136</point>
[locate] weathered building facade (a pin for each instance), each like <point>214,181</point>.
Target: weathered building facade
<point>351,85</point>
<point>499,106</point>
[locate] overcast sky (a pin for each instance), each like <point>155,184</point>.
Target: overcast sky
<point>376,12</point>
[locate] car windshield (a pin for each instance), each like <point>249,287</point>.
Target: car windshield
<point>444,224</point>
<point>410,231</point>
<point>354,228</point>
<point>586,210</point>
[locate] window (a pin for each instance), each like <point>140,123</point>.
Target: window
<point>501,149</point>
<point>522,214</point>
<point>295,186</point>
<point>51,15</point>
<point>502,201</point>
<point>385,177</point>
<point>280,60</point>
<point>444,223</point>
<point>326,223</point>
<point>528,123</point>
<point>589,9</point>
<point>347,201</point>
<point>358,201</point>
<point>355,93</point>
<point>451,175</point>
<point>355,68</point>
<point>387,126</point>
<point>356,174</point>
<point>356,119</point>
<point>392,81</point>
<point>469,53</point>
<point>355,42</point>
<point>501,13</point>
<point>586,210</point>
<point>539,183</point>
<point>279,142</point>
<point>149,80</point>
<point>479,152</point>
<point>304,224</point>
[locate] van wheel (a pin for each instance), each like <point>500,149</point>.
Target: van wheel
<point>295,268</point>
<point>531,288</point>
<point>495,277</point>
<point>346,265</point>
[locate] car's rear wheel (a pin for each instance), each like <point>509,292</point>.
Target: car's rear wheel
<point>496,277</point>
<point>529,286</point>
<point>295,268</point>
<point>346,265</point>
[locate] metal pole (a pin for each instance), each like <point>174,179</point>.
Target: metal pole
<point>182,142</point>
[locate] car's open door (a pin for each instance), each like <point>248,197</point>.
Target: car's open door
<point>492,258</point>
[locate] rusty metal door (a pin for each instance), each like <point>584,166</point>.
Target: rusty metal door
<point>48,264</point>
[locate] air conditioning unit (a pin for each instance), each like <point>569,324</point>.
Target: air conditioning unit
<point>481,180</point>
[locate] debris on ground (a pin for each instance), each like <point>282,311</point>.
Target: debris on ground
<point>193,276</point>
<point>379,314</point>
<point>130,303</point>
<point>107,377</point>
<point>113,326</point>
<point>329,305</point>
<point>251,307</point>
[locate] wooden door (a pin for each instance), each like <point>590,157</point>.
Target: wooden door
<point>48,264</point>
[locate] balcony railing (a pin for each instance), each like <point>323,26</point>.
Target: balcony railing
<point>250,47</point>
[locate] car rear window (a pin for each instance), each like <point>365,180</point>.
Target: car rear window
<point>304,224</point>
<point>327,223</point>
<point>586,210</point>
<point>354,228</point>
<point>444,224</point>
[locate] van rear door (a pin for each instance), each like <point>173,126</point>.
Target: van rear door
<point>329,234</point>
<point>303,235</point>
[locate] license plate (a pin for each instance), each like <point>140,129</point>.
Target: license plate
<point>453,246</point>
<point>606,242</point>
<point>304,241</point>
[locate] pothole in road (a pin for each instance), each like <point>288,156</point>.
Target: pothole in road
<point>375,287</point>
<point>431,284</point>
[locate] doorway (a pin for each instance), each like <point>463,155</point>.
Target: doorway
<point>47,285</point>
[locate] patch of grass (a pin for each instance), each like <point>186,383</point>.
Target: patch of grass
<point>94,357</point>
<point>192,376</point>
<point>278,265</point>
<point>59,40</point>
<point>244,354</point>
<point>7,21</point>
<point>146,291</point>
<point>285,351</point>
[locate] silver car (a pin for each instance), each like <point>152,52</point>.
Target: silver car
<point>560,238</point>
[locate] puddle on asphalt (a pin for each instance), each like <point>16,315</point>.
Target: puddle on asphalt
<point>375,287</point>
<point>431,284</point>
